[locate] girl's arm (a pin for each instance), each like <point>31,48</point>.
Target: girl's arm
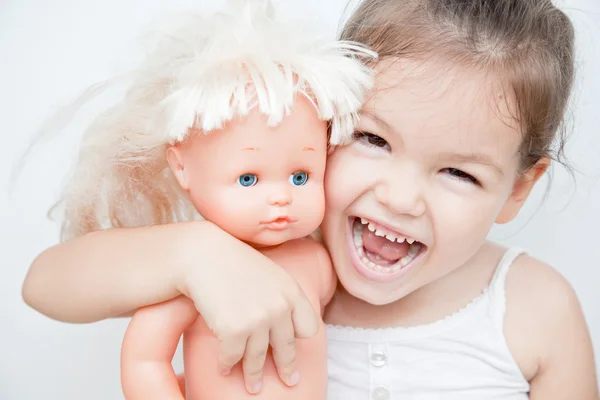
<point>567,369</point>
<point>546,324</point>
<point>238,291</point>
<point>105,274</point>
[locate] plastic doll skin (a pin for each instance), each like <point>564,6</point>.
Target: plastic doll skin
<point>229,117</point>
<point>263,185</point>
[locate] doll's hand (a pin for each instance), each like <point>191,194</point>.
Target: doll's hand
<point>248,301</point>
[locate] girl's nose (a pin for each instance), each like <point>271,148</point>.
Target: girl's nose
<point>402,195</point>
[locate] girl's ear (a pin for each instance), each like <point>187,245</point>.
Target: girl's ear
<point>521,190</point>
<point>176,163</point>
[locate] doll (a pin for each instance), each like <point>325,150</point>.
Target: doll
<point>230,119</point>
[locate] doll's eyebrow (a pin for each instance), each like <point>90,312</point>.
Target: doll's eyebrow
<point>257,149</point>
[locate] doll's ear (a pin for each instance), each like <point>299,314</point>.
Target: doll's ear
<point>175,160</point>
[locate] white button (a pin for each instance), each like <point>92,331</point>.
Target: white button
<point>380,394</point>
<point>378,359</point>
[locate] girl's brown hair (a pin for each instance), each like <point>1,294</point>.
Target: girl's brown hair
<point>529,43</point>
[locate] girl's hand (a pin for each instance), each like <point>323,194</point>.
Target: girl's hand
<point>247,300</point>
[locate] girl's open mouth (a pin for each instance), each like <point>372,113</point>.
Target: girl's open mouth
<point>379,253</point>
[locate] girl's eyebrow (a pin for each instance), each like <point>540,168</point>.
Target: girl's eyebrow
<point>379,121</point>
<point>477,158</point>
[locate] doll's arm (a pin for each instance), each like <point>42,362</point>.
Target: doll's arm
<point>148,348</point>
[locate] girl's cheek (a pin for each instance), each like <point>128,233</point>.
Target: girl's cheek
<point>343,179</point>
<point>456,223</point>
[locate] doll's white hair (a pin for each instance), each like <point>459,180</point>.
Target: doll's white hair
<point>204,71</point>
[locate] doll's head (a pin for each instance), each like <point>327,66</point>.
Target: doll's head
<point>211,89</point>
<point>262,184</point>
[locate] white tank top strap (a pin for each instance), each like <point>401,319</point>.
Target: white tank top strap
<point>497,292</point>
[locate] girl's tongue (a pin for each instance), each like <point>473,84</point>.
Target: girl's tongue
<point>382,251</point>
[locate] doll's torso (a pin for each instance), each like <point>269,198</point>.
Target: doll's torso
<point>200,347</point>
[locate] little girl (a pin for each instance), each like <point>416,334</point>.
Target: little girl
<point>468,102</point>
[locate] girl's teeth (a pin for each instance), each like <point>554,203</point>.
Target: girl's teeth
<point>358,241</point>
<point>413,251</point>
<point>372,265</point>
<point>381,233</point>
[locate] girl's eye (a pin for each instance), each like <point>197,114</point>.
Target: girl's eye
<point>461,175</point>
<point>298,178</point>
<point>371,140</point>
<point>248,180</point>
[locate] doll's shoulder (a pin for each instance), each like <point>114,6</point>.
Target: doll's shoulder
<point>309,262</point>
<point>304,247</point>
<point>306,251</point>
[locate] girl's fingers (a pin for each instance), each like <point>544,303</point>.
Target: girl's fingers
<point>283,344</point>
<point>254,360</point>
<point>231,352</point>
<point>304,317</point>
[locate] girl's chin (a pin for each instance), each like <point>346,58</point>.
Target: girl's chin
<point>368,293</point>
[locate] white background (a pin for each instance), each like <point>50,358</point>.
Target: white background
<point>48,54</point>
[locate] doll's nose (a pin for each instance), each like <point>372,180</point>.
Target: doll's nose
<point>280,197</point>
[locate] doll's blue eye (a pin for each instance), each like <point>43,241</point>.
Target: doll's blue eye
<point>248,180</point>
<point>299,178</point>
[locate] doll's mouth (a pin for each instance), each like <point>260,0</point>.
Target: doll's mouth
<point>279,223</point>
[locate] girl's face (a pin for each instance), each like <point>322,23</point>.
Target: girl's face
<point>434,164</point>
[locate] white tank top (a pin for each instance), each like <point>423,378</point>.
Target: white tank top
<point>461,357</point>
